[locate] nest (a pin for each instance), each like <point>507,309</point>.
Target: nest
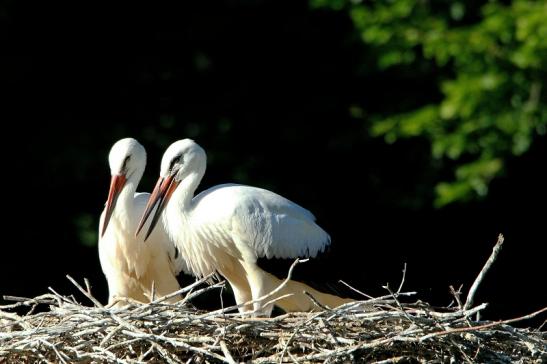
<point>386,329</point>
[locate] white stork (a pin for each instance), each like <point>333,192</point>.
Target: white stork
<point>131,266</point>
<point>227,227</point>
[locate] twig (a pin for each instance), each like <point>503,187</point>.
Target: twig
<point>86,293</point>
<point>23,301</point>
<point>226,352</point>
<point>456,295</point>
<point>183,290</point>
<point>487,265</point>
<point>484,326</point>
<point>199,292</point>
<point>55,350</point>
<point>402,280</point>
<point>87,286</point>
<point>164,353</point>
<point>393,360</point>
<point>355,289</point>
<point>60,297</point>
<point>316,302</point>
<point>286,346</point>
<point>110,335</point>
<point>413,320</point>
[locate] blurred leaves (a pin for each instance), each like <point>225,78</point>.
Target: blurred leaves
<point>489,61</point>
<point>87,227</point>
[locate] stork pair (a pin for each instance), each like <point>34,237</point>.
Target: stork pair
<point>223,230</point>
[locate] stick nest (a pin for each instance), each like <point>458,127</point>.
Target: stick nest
<point>387,329</point>
<point>382,330</point>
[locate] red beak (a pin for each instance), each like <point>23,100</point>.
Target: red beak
<point>160,197</point>
<point>116,185</point>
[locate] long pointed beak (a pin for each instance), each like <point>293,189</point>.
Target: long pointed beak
<point>160,197</point>
<point>116,185</point>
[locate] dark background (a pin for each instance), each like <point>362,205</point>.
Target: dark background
<point>266,91</point>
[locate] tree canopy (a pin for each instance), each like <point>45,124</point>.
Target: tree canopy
<point>487,61</point>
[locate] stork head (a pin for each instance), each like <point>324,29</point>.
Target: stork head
<point>182,159</point>
<point>127,161</point>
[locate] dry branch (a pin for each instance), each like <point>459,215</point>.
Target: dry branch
<point>480,277</point>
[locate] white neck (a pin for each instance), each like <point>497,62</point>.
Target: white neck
<point>126,200</point>
<point>183,195</point>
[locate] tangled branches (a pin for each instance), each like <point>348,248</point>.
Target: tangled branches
<point>383,330</point>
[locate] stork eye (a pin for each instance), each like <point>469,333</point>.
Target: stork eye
<point>125,161</point>
<point>176,160</point>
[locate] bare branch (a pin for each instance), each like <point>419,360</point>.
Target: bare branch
<point>480,277</point>
<point>86,293</point>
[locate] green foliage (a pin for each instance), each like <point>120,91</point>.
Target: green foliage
<point>86,225</point>
<point>490,65</point>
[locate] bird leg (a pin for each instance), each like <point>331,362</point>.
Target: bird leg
<point>124,286</point>
<point>165,283</point>
<point>300,302</point>
<point>236,276</point>
<point>261,284</point>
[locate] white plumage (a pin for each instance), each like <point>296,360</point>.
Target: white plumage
<point>227,227</point>
<point>130,265</point>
